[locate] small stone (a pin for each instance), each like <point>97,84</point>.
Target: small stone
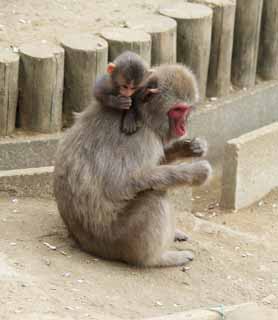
<point>69,308</point>
<point>269,299</point>
<point>66,274</point>
<point>158,303</point>
<point>50,246</point>
<point>260,203</point>
<point>47,261</point>
<point>12,243</point>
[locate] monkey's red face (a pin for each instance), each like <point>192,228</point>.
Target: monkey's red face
<point>178,115</point>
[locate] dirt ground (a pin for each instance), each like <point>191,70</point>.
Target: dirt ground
<point>32,20</point>
<point>42,272</point>
<point>43,275</point>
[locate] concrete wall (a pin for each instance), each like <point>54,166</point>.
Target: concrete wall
<point>250,168</point>
<point>233,116</point>
<point>218,122</point>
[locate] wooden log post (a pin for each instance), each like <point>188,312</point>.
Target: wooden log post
<point>9,65</point>
<point>163,31</point>
<point>122,39</point>
<point>193,38</point>
<point>86,58</point>
<point>41,76</point>
<point>268,52</point>
<point>220,64</point>
<point>246,42</point>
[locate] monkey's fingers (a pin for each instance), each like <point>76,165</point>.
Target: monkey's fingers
<point>199,147</point>
<point>124,102</point>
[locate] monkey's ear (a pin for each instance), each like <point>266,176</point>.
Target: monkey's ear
<point>151,88</point>
<point>111,67</point>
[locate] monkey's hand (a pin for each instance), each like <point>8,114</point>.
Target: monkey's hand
<point>123,103</point>
<point>196,173</point>
<point>198,147</point>
<point>129,122</point>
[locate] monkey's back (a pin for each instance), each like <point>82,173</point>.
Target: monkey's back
<point>95,158</point>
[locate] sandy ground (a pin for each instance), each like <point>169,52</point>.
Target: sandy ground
<point>236,261</point>
<point>236,253</point>
<point>23,21</point>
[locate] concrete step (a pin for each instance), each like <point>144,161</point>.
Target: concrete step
<point>32,182</point>
<point>250,168</point>
<point>38,182</point>
<point>217,121</point>
<point>27,151</point>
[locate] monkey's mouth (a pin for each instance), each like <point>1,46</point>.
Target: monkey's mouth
<point>178,118</point>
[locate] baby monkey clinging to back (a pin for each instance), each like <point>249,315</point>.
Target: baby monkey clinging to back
<point>116,88</point>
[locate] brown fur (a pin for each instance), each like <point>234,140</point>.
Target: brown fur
<point>111,189</point>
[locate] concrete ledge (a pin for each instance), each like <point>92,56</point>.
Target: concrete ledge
<point>22,151</point>
<point>233,116</point>
<point>250,167</point>
<point>34,182</point>
<point>247,311</point>
<point>217,121</point>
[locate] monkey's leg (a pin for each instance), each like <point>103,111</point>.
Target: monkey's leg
<point>146,231</point>
<point>180,236</point>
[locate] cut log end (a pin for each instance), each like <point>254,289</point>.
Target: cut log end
<point>40,50</point>
<point>185,11</point>
<point>151,23</point>
<point>125,35</point>
<point>84,42</point>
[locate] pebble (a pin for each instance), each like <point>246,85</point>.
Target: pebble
<point>269,299</point>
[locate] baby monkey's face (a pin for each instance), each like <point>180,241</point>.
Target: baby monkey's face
<point>127,89</point>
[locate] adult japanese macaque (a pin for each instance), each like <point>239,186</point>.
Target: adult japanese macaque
<point>111,188</point>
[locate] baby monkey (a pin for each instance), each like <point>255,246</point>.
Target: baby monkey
<point>116,88</point>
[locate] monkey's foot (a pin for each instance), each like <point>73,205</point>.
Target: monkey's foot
<point>176,258</point>
<point>129,125</point>
<point>180,236</point>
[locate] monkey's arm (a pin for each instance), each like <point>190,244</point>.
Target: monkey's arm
<point>106,95</point>
<point>186,148</point>
<point>161,178</point>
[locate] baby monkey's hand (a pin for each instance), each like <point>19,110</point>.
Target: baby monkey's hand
<point>123,102</point>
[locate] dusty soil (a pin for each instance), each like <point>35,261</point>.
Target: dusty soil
<point>236,261</point>
<point>236,253</point>
<point>29,20</point>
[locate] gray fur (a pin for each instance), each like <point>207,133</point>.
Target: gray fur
<point>111,189</point>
